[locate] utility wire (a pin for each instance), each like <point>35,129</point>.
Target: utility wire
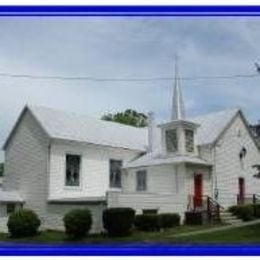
<point>97,79</point>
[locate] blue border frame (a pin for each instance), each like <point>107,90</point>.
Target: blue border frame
<point>129,250</point>
<point>129,10</point>
<point>137,249</point>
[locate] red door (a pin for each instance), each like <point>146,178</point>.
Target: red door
<point>198,190</point>
<point>241,189</point>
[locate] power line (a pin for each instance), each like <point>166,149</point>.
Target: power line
<point>97,79</point>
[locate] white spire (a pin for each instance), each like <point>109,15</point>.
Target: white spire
<point>178,110</point>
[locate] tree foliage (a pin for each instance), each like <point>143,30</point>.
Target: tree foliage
<point>128,117</point>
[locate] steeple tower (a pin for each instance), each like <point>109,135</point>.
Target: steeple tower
<point>178,135</point>
<point>178,110</point>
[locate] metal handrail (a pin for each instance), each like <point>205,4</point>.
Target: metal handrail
<point>210,198</point>
<point>241,199</point>
<point>255,201</point>
<point>212,207</point>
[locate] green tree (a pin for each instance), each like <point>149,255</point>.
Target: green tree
<point>1,169</point>
<point>128,117</point>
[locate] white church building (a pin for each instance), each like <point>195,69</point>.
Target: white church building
<point>56,161</point>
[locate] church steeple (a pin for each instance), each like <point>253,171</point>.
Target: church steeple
<point>178,110</point>
<point>178,135</point>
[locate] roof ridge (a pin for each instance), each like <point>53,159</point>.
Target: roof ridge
<point>235,109</point>
<point>71,113</point>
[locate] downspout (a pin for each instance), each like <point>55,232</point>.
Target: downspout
<point>214,175</point>
<point>48,171</point>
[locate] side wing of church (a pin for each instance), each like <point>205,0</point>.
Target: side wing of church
<point>190,161</point>
<point>56,161</point>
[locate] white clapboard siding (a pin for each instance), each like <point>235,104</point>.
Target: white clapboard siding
<point>205,152</point>
<point>26,164</point>
<point>206,180</point>
<point>27,172</point>
<point>139,201</point>
<point>94,173</point>
<point>228,166</point>
<point>170,179</point>
<point>55,213</point>
<point>160,179</point>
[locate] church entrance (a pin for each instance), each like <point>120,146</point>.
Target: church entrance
<point>198,187</point>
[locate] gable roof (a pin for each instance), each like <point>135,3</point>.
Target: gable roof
<point>212,125</point>
<point>69,126</point>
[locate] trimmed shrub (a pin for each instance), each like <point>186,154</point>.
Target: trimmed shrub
<point>150,211</point>
<point>23,223</point>
<point>244,212</point>
<point>147,222</point>
<point>118,221</point>
<point>168,220</point>
<point>233,209</point>
<point>193,218</point>
<point>77,223</point>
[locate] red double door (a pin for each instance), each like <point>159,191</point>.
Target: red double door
<point>198,190</point>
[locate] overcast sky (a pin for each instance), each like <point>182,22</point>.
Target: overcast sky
<point>115,47</point>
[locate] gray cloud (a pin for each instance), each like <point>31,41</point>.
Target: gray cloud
<point>127,47</point>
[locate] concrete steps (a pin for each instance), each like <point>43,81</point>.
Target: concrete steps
<point>228,218</point>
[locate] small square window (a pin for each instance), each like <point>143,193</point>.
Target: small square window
<point>171,140</point>
<point>141,180</point>
<point>72,170</point>
<point>115,173</point>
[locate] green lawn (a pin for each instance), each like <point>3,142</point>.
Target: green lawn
<point>248,234</point>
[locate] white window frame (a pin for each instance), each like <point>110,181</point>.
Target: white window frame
<point>80,171</point>
<point>137,181</point>
<point>115,187</point>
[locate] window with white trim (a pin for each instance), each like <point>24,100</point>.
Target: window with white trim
<point>72,170</point>
<point>115,173</point>
<point>141,177</point>
<point>171,140</point>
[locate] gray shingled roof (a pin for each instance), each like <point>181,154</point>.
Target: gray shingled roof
<point>70,126</point>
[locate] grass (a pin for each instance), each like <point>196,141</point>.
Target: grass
<point>56,237</point>
<point>246,234</point>
<point>243,235</point>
